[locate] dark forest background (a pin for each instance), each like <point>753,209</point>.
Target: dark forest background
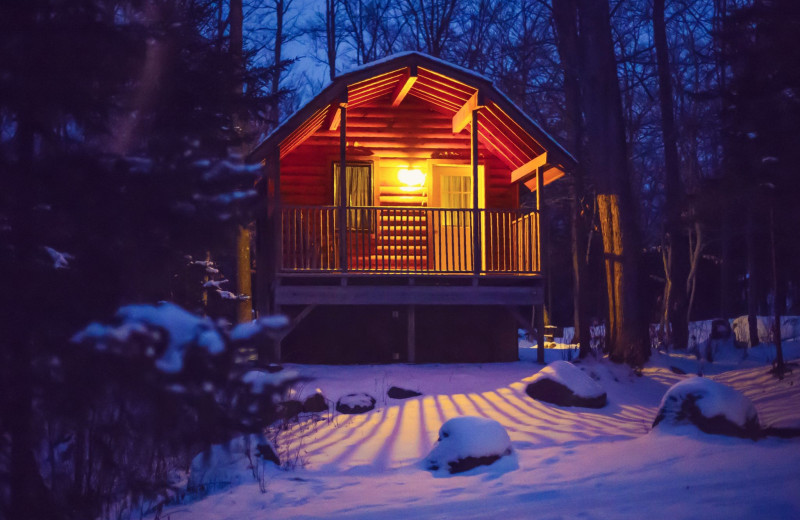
<point>124,128</point>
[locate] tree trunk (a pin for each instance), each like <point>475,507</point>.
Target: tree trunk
<point>608,160</point>
<point>675,303</point>
<point>280,8</point>
<point>566,22</point>
<point>20,302</point>
<point>752,286</point>
<point>330,36</point>
<point>244,306</point>
<point>726,268</point>
<point>779,297</point>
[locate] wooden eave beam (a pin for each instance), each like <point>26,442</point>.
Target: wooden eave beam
<point>407,81</point>
<point>528,170</point>
<point>551,173</point>
<point>333,118</point>
<point>464,115</point>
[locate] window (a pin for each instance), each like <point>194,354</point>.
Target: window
<point>359,193</point>
<point>456,191</point>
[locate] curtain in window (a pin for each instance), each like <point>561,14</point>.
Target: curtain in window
<point>359,193</point>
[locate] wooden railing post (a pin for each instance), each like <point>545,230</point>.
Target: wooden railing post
<point>476,211</point>
<point>342,209</point>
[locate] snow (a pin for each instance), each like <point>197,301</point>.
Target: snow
<point>217,284</point>
<point>251,329</point>
<point>261,381</point>
<point>356,401</point>
<point>566,463</point>
<point>790,328</point>
<point>567,374</point>
<point>226,464</point>
<point>469,436</point>
<point>60,260</point>
<point>184,330</point>
<point>713,399</point>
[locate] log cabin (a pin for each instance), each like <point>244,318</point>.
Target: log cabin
<point>420,251</point>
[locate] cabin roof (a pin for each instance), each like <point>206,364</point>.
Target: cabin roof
<point>503,127</point>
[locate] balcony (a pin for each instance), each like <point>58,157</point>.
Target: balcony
<point>408,241</point>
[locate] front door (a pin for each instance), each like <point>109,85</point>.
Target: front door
<point>452,227</point>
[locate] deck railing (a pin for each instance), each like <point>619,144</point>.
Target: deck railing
<point>411,240</point>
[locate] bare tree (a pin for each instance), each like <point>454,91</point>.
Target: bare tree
<point>432,23</point>
<point>369,28</point>
<point>565,17</point>
<point>608,159</point>
<point>675,250</point>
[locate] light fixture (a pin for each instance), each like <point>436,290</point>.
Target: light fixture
<point>411,177</point>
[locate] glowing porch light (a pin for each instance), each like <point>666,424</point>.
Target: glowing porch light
<point>411,177</point>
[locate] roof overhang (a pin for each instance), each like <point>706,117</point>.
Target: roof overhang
<point>502,126</point>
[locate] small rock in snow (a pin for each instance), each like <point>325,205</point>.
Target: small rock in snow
<point>355,403</point>
<point>315,403</point>
<point>396,392</point>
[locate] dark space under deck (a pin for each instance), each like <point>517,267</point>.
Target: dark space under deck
<point>358,318</point>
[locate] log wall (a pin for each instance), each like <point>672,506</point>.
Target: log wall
<point>406,136</point>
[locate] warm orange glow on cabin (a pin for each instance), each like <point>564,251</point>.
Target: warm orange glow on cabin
<point>411,177</point>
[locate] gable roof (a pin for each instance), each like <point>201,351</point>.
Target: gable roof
<point>503,127</point>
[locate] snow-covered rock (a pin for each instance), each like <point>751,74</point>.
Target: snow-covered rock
<point>229,464</point>
<point>711,406</point>
<point>467,442</point>
<point>355,403</point>
<point>564,384</point>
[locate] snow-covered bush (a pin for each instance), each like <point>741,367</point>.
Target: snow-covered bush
<point>467,442</point>
<point>710,406</point>
<point>164,387</point>
<point>239,460</point>
<point>564,384</point>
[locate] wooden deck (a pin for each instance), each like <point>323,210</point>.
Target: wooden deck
<point>400,289</point>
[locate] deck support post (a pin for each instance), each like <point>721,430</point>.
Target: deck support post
<point>342,209</point>
<point>276,341</point>
<point>476,212</point>
<point>412,334</point>
<point>265,242</point>
<point>540,220</point>
<point>539,211</point>
<point>277,219</point>
<point>538,325</point>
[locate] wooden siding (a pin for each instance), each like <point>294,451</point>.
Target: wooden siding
<point>406,136</point>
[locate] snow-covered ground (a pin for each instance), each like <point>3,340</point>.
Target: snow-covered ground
<point>566,463</point>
